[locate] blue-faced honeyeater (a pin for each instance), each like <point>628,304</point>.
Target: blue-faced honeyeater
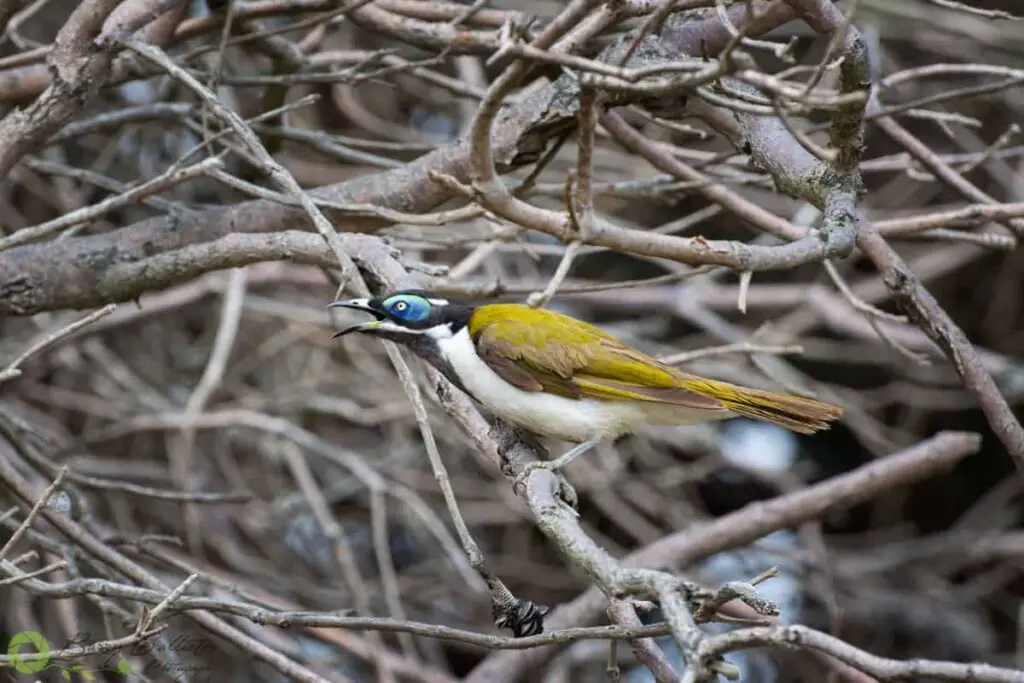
<point>562,378</point>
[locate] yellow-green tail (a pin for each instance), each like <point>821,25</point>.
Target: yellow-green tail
<point>803,415</point>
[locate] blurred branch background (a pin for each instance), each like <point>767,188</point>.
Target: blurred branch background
<point>209,425</point>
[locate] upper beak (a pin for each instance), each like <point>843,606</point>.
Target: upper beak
<point>358,305</point>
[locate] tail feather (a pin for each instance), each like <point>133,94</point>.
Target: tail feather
<point>799,414</point>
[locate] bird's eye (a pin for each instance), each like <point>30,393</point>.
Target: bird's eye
<point>408,308</point>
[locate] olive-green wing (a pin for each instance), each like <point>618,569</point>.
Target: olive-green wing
<point>540,350</point>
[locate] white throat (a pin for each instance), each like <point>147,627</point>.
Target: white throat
<point>441,332</point>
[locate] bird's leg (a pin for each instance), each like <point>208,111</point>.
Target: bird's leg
<point>552,465</point>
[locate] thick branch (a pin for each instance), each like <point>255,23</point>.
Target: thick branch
<point>115,276</point>
<point>927,459</point>
<point>918,303</point>
<point>32,279</point>
<point>795,170</point>
<point>881,668</point>
<point>908,291</point>
<point>80,64</point>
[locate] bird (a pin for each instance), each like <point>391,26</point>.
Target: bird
<point>560,377</point>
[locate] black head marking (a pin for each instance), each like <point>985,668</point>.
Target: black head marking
<point>407,313</point>
<point>417,309</point>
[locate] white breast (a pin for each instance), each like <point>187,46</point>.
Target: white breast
<point>550,415</point>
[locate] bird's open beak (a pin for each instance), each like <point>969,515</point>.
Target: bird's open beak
<point>357,305</point>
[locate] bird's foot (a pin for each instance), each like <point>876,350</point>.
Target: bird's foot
<point>567,494</point>
<point>552,465</point>
<point>566,491</point>
<point>522,617</point>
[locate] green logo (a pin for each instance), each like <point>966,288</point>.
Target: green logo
<point>34,662</point>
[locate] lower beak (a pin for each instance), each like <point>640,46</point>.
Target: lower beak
<point>356,305</point>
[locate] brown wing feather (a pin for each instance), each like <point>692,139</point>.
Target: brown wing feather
<point>498,360</point>
<point>510,365</point>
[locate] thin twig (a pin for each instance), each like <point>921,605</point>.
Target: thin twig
<point>13,368</point>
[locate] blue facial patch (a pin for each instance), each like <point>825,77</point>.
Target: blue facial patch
<point>408,307</point>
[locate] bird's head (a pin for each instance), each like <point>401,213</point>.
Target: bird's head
<point>409,316</point>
